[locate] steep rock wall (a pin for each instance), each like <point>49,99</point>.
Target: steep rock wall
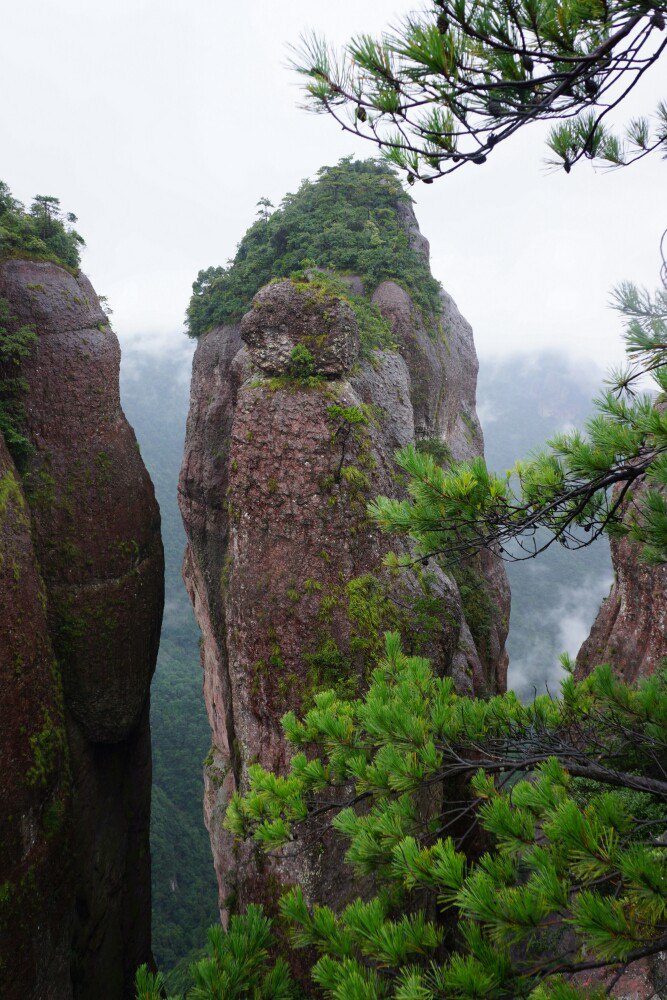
<point>630,631</point>
<point>36,892</point>
<point>96,531</point>
<point>443,380</point>
<point>283,569</point>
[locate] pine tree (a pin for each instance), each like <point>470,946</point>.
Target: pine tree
<point>237,967</point>
<point>264,207</point>
<point>454,81</point>
<point>570,794</point>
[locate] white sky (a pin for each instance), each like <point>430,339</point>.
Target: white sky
<point>161,122</point>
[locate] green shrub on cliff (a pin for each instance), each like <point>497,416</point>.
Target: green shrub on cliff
<point>347,220</point>
<point>42,233</point>
<point>16,343</point>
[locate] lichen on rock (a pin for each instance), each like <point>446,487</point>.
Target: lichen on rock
<point>286,315</point>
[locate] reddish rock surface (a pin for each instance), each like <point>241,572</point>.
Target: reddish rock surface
<point>643,980</point>
<point>284,317</point>
<point>96,531</point>
<point>283,569</point>
<point>442,365</point>
<point>36,892</point>
<point>630,631</point>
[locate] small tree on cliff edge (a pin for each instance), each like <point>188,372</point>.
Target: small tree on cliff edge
<point>451,83</point>
<point>45,232</point>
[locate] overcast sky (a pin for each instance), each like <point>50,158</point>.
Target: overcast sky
<point>161,122</point>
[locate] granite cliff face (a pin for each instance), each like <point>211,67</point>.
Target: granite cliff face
<point>90,510</point>
<point>284,571</point>
<point>630,631</point>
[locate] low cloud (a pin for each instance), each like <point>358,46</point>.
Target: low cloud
<point>562,630</point>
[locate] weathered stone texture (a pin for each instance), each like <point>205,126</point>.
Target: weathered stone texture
<point>630,631</point>
<point>643,980</point>
<point>442,382</point>
<point>36,894</point>
<point>285,315</point>
<point>96,531</point>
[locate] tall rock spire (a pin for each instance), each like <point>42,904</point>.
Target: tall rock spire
<point>294,421</point>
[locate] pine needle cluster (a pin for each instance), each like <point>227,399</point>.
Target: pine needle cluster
<point>569,795</point>
<point>238,966</point>
<point>454,80</point>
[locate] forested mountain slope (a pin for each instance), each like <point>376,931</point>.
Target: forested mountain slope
<point>155,391</point>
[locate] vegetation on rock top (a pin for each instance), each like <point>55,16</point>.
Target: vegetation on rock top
<point>375,333</point>
<point>16,344</point>
<point>43,232</point>
<point>347,220</point>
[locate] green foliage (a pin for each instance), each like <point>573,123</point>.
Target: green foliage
<point>567,489</point>
<point>49,747</point>
<point>348,220</point>
<point>329,668</point>
<point>375,332</point>
<point>457,78</point>
<point>370,612</point>
<point>437,449</point>
<point>447,506</point>
<point>348,415</point>
<point>237,965</point>
<point>478,606</point>
<point>16,344</point>
<point>149,985</point>
<point>10,491</point>
<point>43,233</point>
<point>301,363</point>
<point>573,875</point>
